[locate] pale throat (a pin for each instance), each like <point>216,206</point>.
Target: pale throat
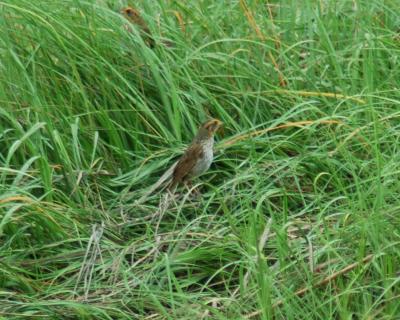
<point>208,150</point>
<point>207,157</point>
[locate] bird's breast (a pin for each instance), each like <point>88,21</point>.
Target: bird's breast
<point>204,163</point>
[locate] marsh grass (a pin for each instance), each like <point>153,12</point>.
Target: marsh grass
<point>305,182</point>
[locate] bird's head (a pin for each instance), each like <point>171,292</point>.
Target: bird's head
<point>208,129</point>
<point>131,13</point>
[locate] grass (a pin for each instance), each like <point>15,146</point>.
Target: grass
<point>299,216</point>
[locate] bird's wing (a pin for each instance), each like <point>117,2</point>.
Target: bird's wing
<point>178,171</point>
<point>186,163</point>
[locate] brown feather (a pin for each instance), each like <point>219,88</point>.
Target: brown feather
<point>185,164</point>
<point>184,169</point>
<point>134,16</point>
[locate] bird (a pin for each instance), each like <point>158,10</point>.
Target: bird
<point>198,156</point>
<point>134,16</point>
<point>195,161</point>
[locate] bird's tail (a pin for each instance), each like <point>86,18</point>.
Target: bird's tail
<point>165,178</point>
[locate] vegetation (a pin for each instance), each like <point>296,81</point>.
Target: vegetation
<point>299,214</point>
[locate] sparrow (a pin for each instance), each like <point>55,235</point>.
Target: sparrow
<point>195,161</point>
<point>134,16</point>
<point>198,156</point>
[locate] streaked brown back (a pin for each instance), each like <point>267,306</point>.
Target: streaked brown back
<point>186,164</point>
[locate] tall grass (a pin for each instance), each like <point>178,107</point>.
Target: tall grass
<point>299,216</point>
